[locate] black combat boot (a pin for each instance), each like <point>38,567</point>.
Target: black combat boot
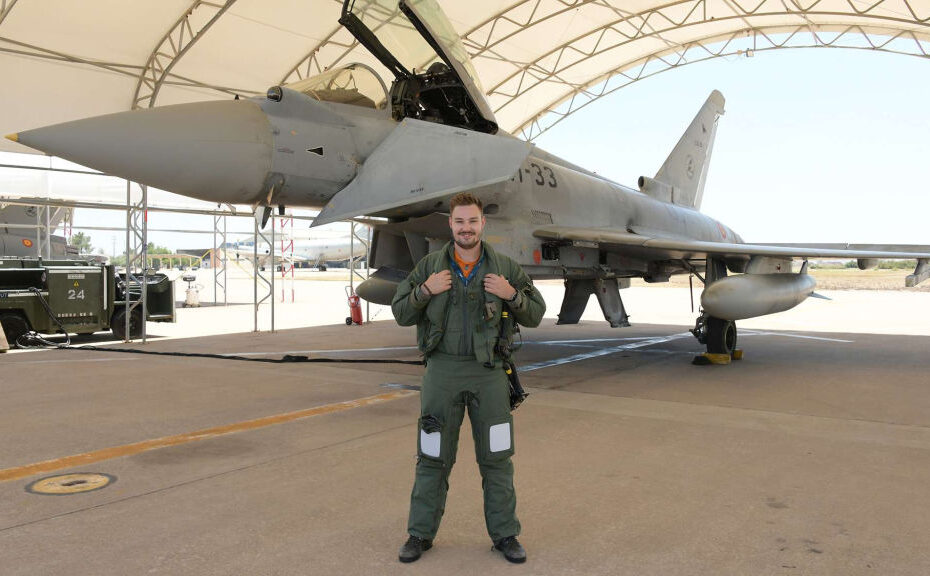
<point>413,547</point>
<point>512,549</point>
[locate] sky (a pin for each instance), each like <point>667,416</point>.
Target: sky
<point>816,145</point>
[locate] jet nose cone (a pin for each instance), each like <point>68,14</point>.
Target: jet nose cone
<point>216,151</point>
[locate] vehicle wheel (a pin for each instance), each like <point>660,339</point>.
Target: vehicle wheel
<point>323,268</point>
<point>348,320</point>
<point>14,326</point>
<point>721,336</point>
<point>118,324</point>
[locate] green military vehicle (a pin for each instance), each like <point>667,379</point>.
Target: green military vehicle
<point>85,297</point>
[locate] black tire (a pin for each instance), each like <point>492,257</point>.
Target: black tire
<point>118,324</point>
<point>323,268</point>
<point>348,320</point>
<point>14,326</point>
<point>721,336</point>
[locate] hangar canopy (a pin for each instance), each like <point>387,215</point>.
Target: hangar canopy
<point>538,60</point>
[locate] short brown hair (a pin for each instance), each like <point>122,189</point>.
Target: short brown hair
<point>465,199</point>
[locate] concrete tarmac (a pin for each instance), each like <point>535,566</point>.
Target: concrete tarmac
<point>809,456</point>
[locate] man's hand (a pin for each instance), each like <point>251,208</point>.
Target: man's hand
<point>439,282</point>
<point>499,286</point>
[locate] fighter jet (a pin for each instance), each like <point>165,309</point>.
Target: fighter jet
<point>343,142</point>
<point>18,233</point>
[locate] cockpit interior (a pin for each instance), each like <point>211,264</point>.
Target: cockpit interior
<point>434,79</point>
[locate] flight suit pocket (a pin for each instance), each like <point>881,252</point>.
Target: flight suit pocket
<point>497,439</point>
<point>431,335</point>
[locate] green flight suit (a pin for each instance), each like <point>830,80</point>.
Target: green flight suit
<point>457,331</point>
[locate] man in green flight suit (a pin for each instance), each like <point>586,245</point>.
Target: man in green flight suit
<point>456,297</point>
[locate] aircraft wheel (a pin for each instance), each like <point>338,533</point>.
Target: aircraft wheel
<point>348,320</point>
<point>118,324</point>
<point>323,268</point>
<point>14,326</point>
<point>721,336</point>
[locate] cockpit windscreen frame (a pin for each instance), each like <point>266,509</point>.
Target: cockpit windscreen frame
<point>443,88</point>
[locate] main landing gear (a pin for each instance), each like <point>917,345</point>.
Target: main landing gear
<point>717,334</point>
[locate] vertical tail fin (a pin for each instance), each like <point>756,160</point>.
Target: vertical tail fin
<point>685,169</point>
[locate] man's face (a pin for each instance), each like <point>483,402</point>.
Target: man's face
<point>466,222</point>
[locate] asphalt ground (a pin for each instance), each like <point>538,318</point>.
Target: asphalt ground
<point>809,456</point>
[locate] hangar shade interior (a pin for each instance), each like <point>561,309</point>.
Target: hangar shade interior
<point>537,60</point>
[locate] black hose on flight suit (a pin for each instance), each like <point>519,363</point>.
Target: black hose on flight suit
<point>504,347</point>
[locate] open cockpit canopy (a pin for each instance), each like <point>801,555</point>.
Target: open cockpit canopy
<point>355,84</point>
<point>434,77</point>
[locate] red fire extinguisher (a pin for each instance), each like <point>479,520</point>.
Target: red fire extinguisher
<point>355,308</point>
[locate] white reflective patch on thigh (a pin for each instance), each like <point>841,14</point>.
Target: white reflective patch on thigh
<point>499,436</point>
<point>429,443</point>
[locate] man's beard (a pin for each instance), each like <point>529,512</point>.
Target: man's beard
<point>467,245</point>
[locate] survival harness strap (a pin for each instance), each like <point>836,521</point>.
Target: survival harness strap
<point>504,348</point>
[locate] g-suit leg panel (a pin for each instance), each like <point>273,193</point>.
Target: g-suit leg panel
<point>492,429</point>
<point>442,410</point>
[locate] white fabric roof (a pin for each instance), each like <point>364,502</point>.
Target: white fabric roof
<point>539,60</point>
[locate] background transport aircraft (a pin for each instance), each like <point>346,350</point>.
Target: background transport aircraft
<point>342,141</point>
<point>18,240</point>
<point>315,252</point>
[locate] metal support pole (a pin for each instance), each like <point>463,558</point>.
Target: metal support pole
<point>219,258</point>
<point>48,233</point>
<point>255,275</point>
<point>136,254</point>
<point>353,272</point>
<point>260,237</point>
<point>351,259</point>
<point>368,273</point>
<point>287,255</point>
<point>271,251</point>
<point>39,231</point>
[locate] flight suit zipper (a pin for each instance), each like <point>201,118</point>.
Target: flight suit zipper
<point>463,345</point>
<point>466,347</point>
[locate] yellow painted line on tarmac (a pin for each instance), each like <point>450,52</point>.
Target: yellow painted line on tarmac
<point>146,445</point>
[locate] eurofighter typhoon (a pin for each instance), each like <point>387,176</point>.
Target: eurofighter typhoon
<point>345,143</point>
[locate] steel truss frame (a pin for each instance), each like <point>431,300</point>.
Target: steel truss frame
<point>287,255</point>
<point>131,70</point>
<point>43,232</point>
<point>137,231</point>
<point>737,44</point>
<point>172,47</point>
<point>310,64</point>
<point>5,7</point>
<point>258,276</point>
<point>883,23</point>
<point>136,254</point>
<point>353,272</point>
<point>219,258</point>
<point>896,26</point>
